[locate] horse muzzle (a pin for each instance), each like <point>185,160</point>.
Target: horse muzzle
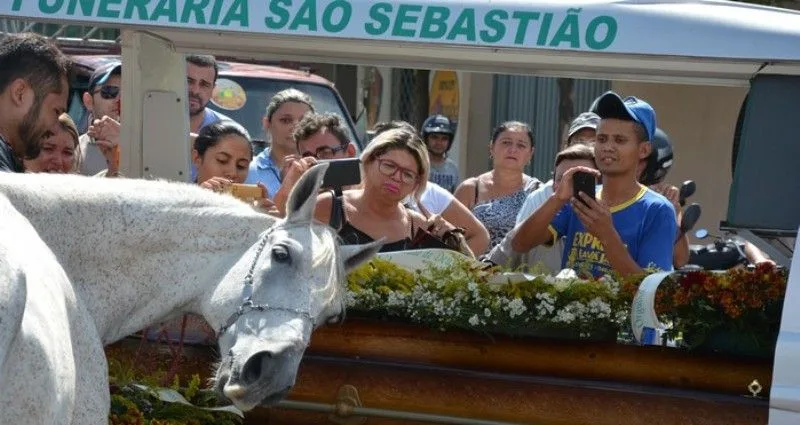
<point>264,378</point>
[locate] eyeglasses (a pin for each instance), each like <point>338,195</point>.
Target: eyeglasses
<point>108,92</point>
<point>325,152</point>
<point>390,168</point>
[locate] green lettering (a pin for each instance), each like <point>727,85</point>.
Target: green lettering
<point>307,15</point>
<point>493,21</point>
<point>404,17</point>
<point>141,8</point>
<point>465,25</point>
<point>524,19</point>
<point>166,8</point>
<point>16,6</point>
<point>544,30</point>
<point>237,12</point>
<point>85,4</point>
<point>45,7</point>
<point>568,31</point>
<point>591,32</point>
<point>104,12</point>
<point>280,14</point>
<point>434,23</point>
<point>378,13</point>
<point>196,7</point>
<point>215,12</point>
<point>327,16</point>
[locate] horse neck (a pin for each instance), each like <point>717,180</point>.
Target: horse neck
<point>135,261</point>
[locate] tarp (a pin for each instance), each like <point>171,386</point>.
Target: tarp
<point>700,29</point>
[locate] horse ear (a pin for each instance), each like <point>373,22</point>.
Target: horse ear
<point>303,197</point>
<point>354,255</point>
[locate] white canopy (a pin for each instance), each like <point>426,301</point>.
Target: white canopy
<point>706,41</point>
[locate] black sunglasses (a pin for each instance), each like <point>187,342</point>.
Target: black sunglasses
<point>108,92</point>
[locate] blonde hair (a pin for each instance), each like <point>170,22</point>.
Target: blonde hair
<point>403,140</point>
<point>68,125</point>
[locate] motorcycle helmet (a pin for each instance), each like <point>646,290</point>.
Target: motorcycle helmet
<point>660,160</point>
<point>438,124</point>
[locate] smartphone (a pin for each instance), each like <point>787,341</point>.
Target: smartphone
<point>247,192</point>
<point>583,182</point>
<point>341,173</point>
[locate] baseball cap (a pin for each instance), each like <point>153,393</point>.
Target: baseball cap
<point>584,120</point>
<point>611,105</point>
<point>102,73</point>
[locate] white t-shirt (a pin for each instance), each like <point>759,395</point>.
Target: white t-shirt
<point>435,199</point>
<point>534,201</point>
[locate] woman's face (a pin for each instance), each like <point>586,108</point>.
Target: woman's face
<point>394,174</point>
<point>283,122</point>
<point>229,158</point>
<point>56,156</point>
<point>511,149</point>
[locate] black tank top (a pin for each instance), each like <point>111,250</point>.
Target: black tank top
<point>352,235</point>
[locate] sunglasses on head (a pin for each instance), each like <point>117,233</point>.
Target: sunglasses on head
<point>108,92</point>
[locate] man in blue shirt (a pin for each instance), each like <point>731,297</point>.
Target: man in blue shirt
<point>628,227</point>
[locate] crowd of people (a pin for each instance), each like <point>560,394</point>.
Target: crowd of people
<point>410,193</point>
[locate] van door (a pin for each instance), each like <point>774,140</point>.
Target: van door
<point>784,401</point>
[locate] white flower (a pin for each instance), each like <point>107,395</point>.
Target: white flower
<point>472,286</point>
<point>474,321</point>
<point>487,312</point>
<point>516,308</point>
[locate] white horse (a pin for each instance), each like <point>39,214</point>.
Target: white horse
<point>140,252</point>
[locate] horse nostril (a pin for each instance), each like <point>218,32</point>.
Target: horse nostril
<point>254,367</point>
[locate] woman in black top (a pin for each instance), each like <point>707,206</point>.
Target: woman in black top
<point>393,166</point>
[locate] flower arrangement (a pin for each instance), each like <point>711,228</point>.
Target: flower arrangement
<point>138,399</point>
<point>461,296</point>
<point>738,311</point>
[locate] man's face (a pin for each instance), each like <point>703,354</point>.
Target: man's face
<point>324,145</point>
<point>565,165</point>
<point>584,136</point>
<point>41,117</point>
<point>200,82</point>
<point>437,143</point>
<point>617,149</point>
<point>106,99</point>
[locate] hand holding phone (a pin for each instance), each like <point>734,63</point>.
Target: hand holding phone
<point>246,192</point>
<point>583,182</point>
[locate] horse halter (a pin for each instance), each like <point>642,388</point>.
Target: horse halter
<point>247,295</point>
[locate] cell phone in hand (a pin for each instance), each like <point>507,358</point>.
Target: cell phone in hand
<point>583,182</point>
<point>247,192</point>
<point>341,173</point>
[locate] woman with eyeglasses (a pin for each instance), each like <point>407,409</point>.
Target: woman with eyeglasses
<point>394,165</point>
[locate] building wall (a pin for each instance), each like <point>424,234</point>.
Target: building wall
<point>700,121</point>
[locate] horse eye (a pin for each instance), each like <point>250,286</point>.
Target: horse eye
<point>280,253</point>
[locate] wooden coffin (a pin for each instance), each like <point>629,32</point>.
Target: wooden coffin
<point>391,368</point>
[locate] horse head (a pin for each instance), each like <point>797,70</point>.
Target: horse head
<point>295,281</point>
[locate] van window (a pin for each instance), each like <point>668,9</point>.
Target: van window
<point>259,91</point>
<point>765,194</point>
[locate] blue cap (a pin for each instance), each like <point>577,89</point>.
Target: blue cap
<point>102,73</point>
<point>611,105</point>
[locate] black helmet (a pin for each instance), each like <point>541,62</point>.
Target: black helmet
<point>659,161</point>
<point>437,124</point>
